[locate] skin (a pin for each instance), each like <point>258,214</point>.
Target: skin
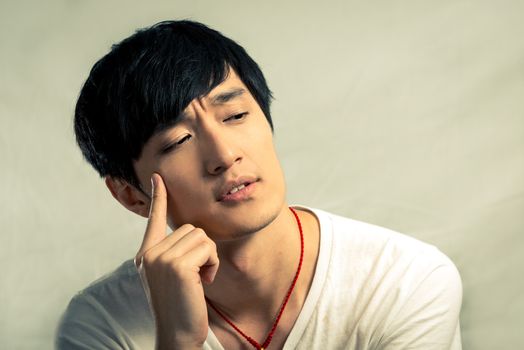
<point>245,251</point>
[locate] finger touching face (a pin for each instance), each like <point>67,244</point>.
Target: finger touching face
<point>157,222</point>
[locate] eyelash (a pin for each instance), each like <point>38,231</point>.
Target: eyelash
<point>176,144</point>
<point>236,117</point>
<point>186,138</point>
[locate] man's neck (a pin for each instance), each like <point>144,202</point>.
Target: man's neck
<point>256,271</point>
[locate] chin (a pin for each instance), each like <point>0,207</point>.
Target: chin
<point>247,220</point>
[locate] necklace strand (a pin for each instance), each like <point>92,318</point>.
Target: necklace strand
<point>269,337</point>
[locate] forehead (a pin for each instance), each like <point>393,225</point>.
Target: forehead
<point>231,91</point>
<point>231,87</point>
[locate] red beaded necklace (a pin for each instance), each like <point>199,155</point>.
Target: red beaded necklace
<point>266,342</point>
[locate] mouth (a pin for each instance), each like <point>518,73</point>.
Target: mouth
<point>237,190</point>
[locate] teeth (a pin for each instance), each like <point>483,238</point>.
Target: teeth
<point>236,189</point>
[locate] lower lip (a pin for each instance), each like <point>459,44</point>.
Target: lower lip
<point>240,195</point>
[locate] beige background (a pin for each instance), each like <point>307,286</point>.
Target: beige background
<point>407,114</point>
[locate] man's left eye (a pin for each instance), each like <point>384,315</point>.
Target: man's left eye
<point>236,117</point>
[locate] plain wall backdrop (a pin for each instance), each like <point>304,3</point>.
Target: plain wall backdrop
<point>407,114</point>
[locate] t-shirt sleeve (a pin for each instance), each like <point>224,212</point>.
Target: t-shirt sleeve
<point>429,317</point>
<point>86,325</point>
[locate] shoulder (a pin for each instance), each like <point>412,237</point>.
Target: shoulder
<point>363,242</point>
<point>403,287</point>
<point>106,312</point>
<point>366,257</point>
<point>121,286</point>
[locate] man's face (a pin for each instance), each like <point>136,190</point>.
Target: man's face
<point>218,164</point>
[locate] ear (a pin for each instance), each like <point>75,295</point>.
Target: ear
<point>131,198</point>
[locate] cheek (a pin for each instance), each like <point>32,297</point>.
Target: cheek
<point>267,154</point>
<point>263,153</point>
<point>184,191</point>
<point>183,203</point>
<point>260,139</point>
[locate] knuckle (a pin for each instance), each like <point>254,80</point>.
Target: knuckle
<point>165,260</point>
<point>209,246</point>
<point>177,265</point>
<point>157,194</point>
<point>153,216</point>
<point>212,244</point>
<point>199,233</point>
<point>186,227</point>
<point>147,259</point>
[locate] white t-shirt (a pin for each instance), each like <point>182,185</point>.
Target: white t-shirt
<point>373,288</point>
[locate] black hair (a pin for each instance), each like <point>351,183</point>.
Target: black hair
<point>145,82</point>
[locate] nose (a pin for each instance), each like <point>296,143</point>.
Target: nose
<point>220,152</point>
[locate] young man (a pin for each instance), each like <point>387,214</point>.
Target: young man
<point>176,119</point>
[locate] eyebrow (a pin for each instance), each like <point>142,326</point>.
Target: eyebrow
<point>227,96</point>
<point>218,99</point>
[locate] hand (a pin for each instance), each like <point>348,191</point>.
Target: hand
<point>175,266</point>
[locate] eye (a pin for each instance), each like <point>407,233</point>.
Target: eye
<point>183,139</point>
<point>176,144</point>
<point>236,117</point>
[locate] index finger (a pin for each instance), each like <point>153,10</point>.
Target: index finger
<point>157,222</point>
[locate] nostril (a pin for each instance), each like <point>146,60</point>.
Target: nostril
<point>218,166</point>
